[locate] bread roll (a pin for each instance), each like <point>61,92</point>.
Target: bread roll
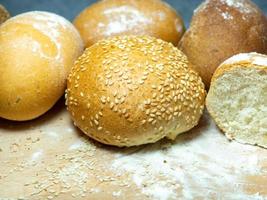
<point>237,99</point>
<point>37,50</point>
<point>133,90</point>
<point>220,29</point>
<point>4,14</point>
<point>109,18</point>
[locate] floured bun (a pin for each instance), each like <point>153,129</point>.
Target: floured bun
<point>37,51</point>
<point>237,99</point>
<point>133,90</point>
<point>109,18</point>
<point>4,14</point>
<point>220,29</point>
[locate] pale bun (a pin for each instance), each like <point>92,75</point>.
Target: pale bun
<point>109,18</point>
<point>237,99</point>
<point>4,14</point>
<point>133,90</point>
<point>220,29</point>
<point>37,51</point>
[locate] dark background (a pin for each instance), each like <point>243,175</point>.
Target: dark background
<point>70,8</point>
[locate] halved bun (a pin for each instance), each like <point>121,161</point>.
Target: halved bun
<point>237,99</point>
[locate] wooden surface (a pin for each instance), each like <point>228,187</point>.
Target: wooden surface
<point>49,158</point>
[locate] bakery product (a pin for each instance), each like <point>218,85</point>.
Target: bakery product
<point>4,14</point>
<point>37,50</point>
<point>237,99</point>
<point>220,29</point>
<point>133,90</point>
<point>109,18</point>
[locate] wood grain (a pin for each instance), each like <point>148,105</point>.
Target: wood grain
<point>49,158</point>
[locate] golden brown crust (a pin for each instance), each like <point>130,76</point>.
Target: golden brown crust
<point>132,90</point>
<point>37,50</point>
<point>109,18</point>
<point>4,14</point>
<point>249,61</point>
<point>221,29</point>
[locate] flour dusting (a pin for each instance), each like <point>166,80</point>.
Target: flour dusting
<point>203,158</point>
<point>242,6</point>
<point>254,58</point>
<point>227,15</point>
<point>127,19</point>
<point>37,155</point>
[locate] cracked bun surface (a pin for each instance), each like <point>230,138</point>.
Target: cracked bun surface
<point>220,29</point>
<point>133,90</point>
<point>108,18</point>
<point>37,51</point>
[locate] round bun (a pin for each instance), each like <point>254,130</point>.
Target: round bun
<point>237,99</point>
<point>133,90</point>
<point>109,18</point>
<point>221,29</point>
<point>37,51</point>
<point>4,15</point>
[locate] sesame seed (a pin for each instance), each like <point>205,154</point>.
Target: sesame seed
<point>158,113</point>
<point>116,101</point>
<point>103,99</point>
<point>115,109</point>
<point>141,82</point>
<point>96,122</point>
<point>152,115</point>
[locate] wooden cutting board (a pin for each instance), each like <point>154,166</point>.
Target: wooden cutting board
<point>49,158</point>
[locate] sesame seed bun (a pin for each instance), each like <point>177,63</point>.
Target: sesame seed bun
<point>220,29</point>
<point>133,90</point>
<point>237,99</point>
<point>108,18</point>
<point>4,14</point>
<point>37,50</point>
